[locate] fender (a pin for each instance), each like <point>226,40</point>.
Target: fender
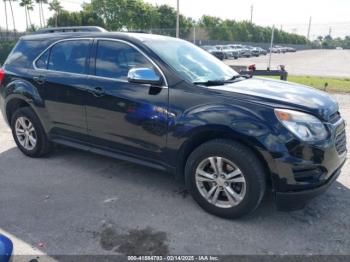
<point>27,92</point>
<point>245,124</point>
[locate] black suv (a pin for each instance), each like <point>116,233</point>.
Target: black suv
<point>165,103</point>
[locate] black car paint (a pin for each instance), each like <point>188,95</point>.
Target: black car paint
<point>179,116</point>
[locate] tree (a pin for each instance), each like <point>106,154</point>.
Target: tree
<point>28,6</point>
<point>55,6</point>
<point>135,15</point>
<point>83,18</point>
<point>6,20</point>
<point>244,31</point>
<point>41,11</point>
<point>13,17</point>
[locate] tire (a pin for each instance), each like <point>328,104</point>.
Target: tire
<point>250,191</point>
<point>25,119</point>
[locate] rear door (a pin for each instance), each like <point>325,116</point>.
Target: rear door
<point>62,71</point>
<point>126,117</point>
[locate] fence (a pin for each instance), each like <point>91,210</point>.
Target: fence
<point>9,35</point>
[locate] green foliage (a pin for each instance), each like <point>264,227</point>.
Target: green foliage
<point>5,49</point>
<point>231,30</point>
<point>65,18</point>
<point>328,42</point>
<point>136,15</point>
<point>328,84</point>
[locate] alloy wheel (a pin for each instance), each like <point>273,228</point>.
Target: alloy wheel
<point>220,182</point>
<point>26,133</point>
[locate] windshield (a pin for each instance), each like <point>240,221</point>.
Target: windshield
<point>190,61</point>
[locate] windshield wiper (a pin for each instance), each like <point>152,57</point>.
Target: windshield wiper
<point>221,82</point>
<point>239,76</point>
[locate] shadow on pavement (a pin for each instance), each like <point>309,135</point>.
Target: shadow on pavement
<point>72,200</point>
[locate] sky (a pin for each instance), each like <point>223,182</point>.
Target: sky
<point>292,15</point>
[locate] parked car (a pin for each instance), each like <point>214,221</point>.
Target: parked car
<point>253,50</point>
<point>125,95</point>
<point>242,51</point>
<point>275,49</point>
<point>229,52</point>
<point>234,52</point>
<point>291,49</point>
<point>215,52</point>
<point>262,51</point>
<point>282,49</point>
<point>238,49</point>
<point>245,52</point>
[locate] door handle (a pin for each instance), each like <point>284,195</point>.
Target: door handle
<point>39,79</point>
<point>98,91</point>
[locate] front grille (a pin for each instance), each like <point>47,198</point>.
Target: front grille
<point>340,142</point>
<point>334,118</point>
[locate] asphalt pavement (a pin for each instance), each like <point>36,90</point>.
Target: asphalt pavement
<point>334,63</point>
<point>79,203</point>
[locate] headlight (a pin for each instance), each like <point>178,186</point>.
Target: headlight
<point>304,126</point>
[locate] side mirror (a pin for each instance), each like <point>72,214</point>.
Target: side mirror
<point>144,76</point>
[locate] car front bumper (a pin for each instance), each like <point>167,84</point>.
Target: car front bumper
<point>300,171</point>
<point>295,200</point>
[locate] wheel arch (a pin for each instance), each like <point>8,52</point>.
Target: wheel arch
<point>21,93</point>
<point>14,104</point>
<point>207,135</point>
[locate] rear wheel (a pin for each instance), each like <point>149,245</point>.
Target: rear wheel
<point>28,133</point>
<point>225,178</point>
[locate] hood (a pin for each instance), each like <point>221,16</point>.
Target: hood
<point>283,94</point>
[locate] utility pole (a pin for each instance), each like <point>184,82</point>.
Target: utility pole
<point>194,34</point>
<point>251,13</point>
<point>309,29</point>
<point>330,31</point>
<point>178,20</point>
<point>271,45</point>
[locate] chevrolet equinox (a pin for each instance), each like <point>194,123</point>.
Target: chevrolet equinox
<point>167,104</point>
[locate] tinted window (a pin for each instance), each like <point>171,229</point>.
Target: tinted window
<point>25,52</point>
<point>43,61</point>
<point>69,56</point>
<point>115,59</point>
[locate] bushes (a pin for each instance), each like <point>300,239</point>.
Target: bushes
<point>5,49</point>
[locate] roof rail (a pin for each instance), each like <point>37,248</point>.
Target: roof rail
<point>70,29</point>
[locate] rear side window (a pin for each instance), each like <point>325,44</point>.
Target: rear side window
<point>115,59</point>
<point>69,56</point>
<point>25,52</point>
<point>43,61</point>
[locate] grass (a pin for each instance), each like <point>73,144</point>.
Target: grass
<point>329,84</point>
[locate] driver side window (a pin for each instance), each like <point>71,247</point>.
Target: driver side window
<point>115,59</point>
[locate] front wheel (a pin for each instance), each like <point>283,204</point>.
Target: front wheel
<point>225,178</point>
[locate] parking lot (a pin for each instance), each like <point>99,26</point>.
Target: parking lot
<point>307,62</point>
<point>75,202</point>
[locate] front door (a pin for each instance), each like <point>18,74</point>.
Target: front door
<point>125,117</point>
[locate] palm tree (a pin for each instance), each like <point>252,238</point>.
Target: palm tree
<point>28,6</point>
<point>41,11</point>
<point>40,17</point>
<point>13,17</point>
<point>7,25</point>
<point>42,2</point>
<point>55,6</point>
